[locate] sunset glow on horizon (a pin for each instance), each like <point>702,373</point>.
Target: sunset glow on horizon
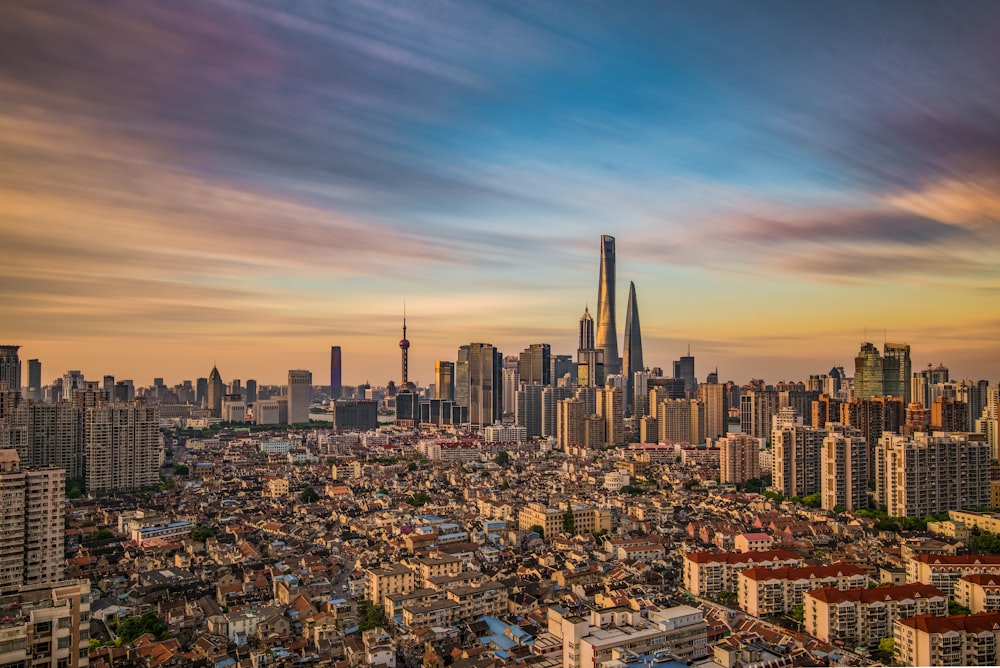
<point>246,184</point>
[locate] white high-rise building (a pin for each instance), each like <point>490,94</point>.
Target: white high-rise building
<point>845,468</point>
<point>922,474</point>
<point>299,395</point>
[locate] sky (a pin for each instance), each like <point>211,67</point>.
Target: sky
<point>246,184</point>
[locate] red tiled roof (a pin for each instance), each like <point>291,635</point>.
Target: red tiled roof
<point>958,559</point>
<point>793,573</point>
<point>884,593</point>
<point>756,556</point>
<point>987,621</point>
<point>982,579</point>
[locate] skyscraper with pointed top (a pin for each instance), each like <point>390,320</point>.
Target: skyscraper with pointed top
<point>632,347</point>
<point>216,388</point>
<point>607,330</point>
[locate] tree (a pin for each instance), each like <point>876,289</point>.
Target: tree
<point>74,488</point>
<point>539,529</point>
<point>101,534</point>
<point>887,645</point>
<point>370,615</point>
<point>181,469</point>
<point>418,499</point>
<point>147,622</point>
<point>569,521</point>
<point>201,534</point>
<point>503,458</point>
<point>812,501</point>
<point>799,613</point>
<point>309,495</point>
<point>839,508</point>
<point>958,609</point>
<point>505,485</point>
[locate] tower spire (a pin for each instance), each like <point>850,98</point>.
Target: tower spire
<point>404,347</point>
<point>631,347</point>
<point>607,332</point>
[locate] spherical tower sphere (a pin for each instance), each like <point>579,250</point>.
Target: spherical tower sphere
<point>404,344</point>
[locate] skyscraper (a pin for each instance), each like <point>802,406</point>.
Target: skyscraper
<point>335,379</point>
<point>34,380</point>
<point>632,350</point>
<point>586,338</point>
<point>123,446</point>
<point>462,377</point>
<point>46,435</point>
<point>534,365</point>
<point>216,389</point>
<point>868,372</point>
<point>299,395</point>
<point>31,514</point>
<point>589,360</point>
<point>684,370</point>
<point>607,329</point>
<point>485,385</point>
<point>896,371</point>
<point>10,368</point>
<point>444,380</point>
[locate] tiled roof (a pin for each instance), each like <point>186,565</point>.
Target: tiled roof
<point>987,621</point>
<point>884,593</point>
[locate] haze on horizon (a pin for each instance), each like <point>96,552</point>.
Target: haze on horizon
<point>247,184</point>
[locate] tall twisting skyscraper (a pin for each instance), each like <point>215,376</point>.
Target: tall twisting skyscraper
<point>607,329</point>
<point>632,350</point>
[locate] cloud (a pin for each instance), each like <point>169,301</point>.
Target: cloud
<point>968,203</point>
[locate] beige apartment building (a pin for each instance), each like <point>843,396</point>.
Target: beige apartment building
<point>771,591</point>
<point>388,579</point>
<point>123,447</point>
<point>32,523</point>
<point>711,573</point>
<point>956,640</point>
<point>844,459</point>
<point>599,637</point>
<point>979,592</point>
<point>585,519</point>
<point>944,570</point>
<point>865,616</point>
<point>739,458</point>
<point>458,604</point>
<point>47,625</point>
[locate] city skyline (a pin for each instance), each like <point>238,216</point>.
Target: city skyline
<point>198,191</point>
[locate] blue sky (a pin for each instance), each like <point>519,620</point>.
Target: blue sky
<point>248,183</point>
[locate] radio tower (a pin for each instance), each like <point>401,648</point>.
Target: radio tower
<point>404,347</point>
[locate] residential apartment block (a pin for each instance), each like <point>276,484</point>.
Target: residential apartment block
<point>46,625</point>
<point>956,640</point>
<point>711,573</point>
<point>943,571</point>
<point>922,474</point>
<point>979,592</point>
<point>602,636</point>
<point>865,616</point>
<point>585,519</point>
<point>770,591</point>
